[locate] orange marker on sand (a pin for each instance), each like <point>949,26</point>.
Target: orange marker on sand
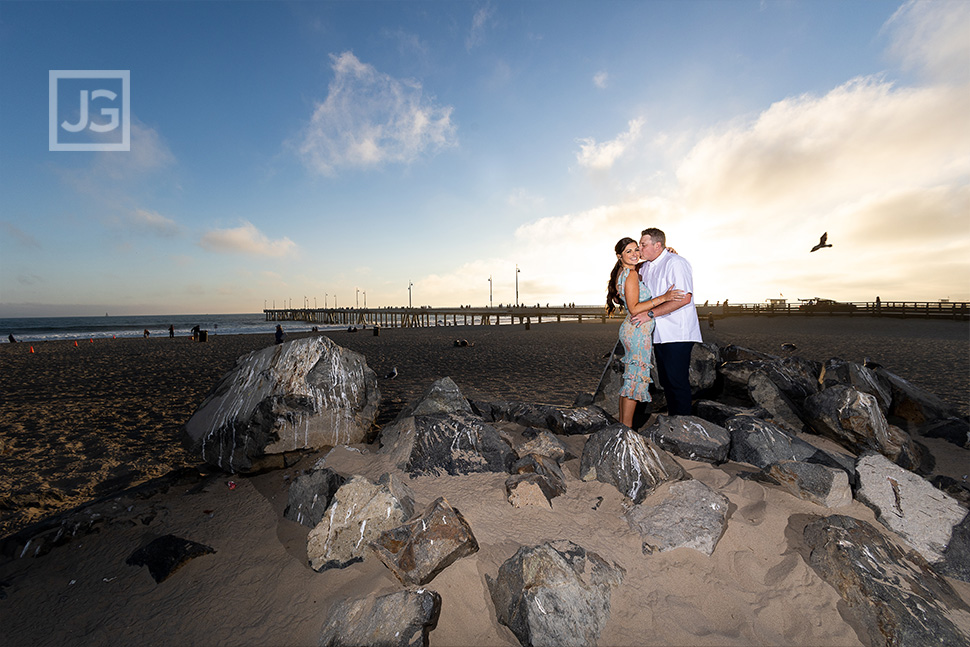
<point>75,344</point>
<point>31,349</point>
<point>92,340</point>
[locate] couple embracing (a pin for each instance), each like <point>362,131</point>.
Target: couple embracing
<point>666,323</point>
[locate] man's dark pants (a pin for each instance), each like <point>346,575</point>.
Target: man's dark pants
<point>673,367</point>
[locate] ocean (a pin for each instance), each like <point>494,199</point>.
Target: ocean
<point>38,329</point>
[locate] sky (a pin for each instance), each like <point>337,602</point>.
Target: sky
<point>448,153</point>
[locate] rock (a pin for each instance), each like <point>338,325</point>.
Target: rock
<point>765,394</point>
<point>446,443</point>
<point>544,443</point>
<point>301,395</point>
<point>908,505</point>
<point>690,437</point>
<point>912,404</point>
<point>607,394</point>
<point>718,412</point>
<point>853,419</point>
<point>555,594</point>
<point>420,549</point>
<point>958,489</point>
<point>763,444</point>
<point>566,421</point>
<point>310,495</point>
<point>399,619</point>
<point>165,555</point>
<point>797,377</point>
<point>359,513</point>
<point>859,377</point>
<point>735,377</point>
<point>956,555</point>
<point>443,396</point>
<point>691,515</point>
<point>820,484</point>
<point>530,488</point>
<point>734,353</point>
<point>623,458</point>
<point>704,359</point>
<point>954,430</point>
<point>543,466</point>
<point>899,599</point>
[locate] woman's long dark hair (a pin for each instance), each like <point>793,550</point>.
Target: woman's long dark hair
<point>613,298</point>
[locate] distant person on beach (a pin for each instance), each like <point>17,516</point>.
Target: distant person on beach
<point>195,332</point>
<point>280,335</point>
<point>12,340</point>
<point>676,326</point>
<point>146,333</point>
<point>625,289</point>
<point>171,331</point>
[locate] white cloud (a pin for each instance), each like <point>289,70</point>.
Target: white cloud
<point>523,199</point>
<point>246,239</point>
<point>480,22</point>
<point>153,222</point>
<point>601,80</point>
<point>601,157</point>
<point>932,37</point>
<point>370,118</point>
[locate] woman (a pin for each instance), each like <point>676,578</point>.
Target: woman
<point>636,339</point>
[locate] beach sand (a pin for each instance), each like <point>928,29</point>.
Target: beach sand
<point>79,423</point>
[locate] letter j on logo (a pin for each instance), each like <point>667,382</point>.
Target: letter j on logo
<point>90,110</point>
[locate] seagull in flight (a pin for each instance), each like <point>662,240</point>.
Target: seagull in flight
<point>821,242</point>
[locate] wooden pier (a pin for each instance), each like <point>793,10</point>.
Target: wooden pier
<point>401,317</point>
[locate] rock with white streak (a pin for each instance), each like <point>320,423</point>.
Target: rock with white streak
<point>820,484</point>
<point>690,437</point>
<point>908,505</point>
<point>690,515</point>
<point>360,512</point>
<point>626,460</point>
<point>302,395</point>
<point>399,619</point>
<point>310,495</point>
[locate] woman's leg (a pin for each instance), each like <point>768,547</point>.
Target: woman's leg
<point>627,407</point>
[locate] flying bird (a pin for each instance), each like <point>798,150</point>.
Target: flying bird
<point>821,242</point>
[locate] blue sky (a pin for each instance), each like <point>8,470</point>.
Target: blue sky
<point>283,152</point>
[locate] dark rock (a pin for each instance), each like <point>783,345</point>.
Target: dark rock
<point>623,458</point>
<point>544,443</point>
<point>954,430</point>
<point>359,513</point>
<point>607,394</point>
<point>912,404</point>
<point>443,396</point>
<point>555,594</point>
<point>544,466</point>
<point>690,437</point>
<point>897,597</point>
<point>734,353</point>
<point>718,412</point>
<point>767,395</point>
<point>446,443</point>
<point>859,377</point>
<point>956,555</point>
<point>763,444</point>
<point>735,376</point>
<point>399,619</point>
<point>531,488</point>
<point>165,555</point>
<point>301,395</point>
<point>852,419</point>
<point>958,489</point>
<point>566,421</point>
<point>691,515</point>
<point>797,377</point>
<point>908,505</point>
<point>420,549</point>
<point>704,359</point>
<point>310,495</point>
<point>820,484</point>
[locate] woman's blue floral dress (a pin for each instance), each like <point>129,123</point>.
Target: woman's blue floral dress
<point>637,344</point>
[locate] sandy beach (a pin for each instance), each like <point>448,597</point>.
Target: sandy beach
<point>79,423</point>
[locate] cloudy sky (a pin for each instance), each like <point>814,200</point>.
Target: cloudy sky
<point>336,151</point>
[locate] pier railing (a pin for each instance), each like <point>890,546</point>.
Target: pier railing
<point>401,317</point>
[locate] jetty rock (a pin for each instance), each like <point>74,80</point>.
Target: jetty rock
<point>628,461</point>
<point>557,593</point>
<point>399,619</point>
<point>301,395</point>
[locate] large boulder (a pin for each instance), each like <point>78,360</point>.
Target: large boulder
<point>690,437</point>
<point>912,404</point>
<point>359,513</point>
<point>420,549</point>
<point>446,443</point>
<point>859,377</point>
<point>896,597</point>
<point>443,396</point>
<point>626,460</point>
<point>719,413</point>
<point>690,515</point>
<point>566,421</point>
<point>853,419</point>
<point>702,373</point>
<point>302,395</point>
<point>399,619</point>
<point>310,495</point>
<point>908,505</point>
<point>555,594</point>
<point>766,394</point>
<point>820,484</point>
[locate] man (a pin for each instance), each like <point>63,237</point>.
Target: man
<point>677,327</point>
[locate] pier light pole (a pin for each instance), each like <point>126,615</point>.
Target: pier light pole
<point>490,292</point>
<point>365,299</point>
<point>358,297</point>
<point>517,270</point>
<point>326,295</point>
<point>409,293</point>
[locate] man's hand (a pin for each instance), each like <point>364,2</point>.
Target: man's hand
<point>642,318</point>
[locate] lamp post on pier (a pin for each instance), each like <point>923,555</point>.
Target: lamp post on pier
<point>358,297</point>
<point>489,291</point>
<point>517,270</point>
<point>409,293</point>
<point>326,295</point>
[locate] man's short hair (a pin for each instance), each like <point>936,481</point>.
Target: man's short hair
<point>656,235</point>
